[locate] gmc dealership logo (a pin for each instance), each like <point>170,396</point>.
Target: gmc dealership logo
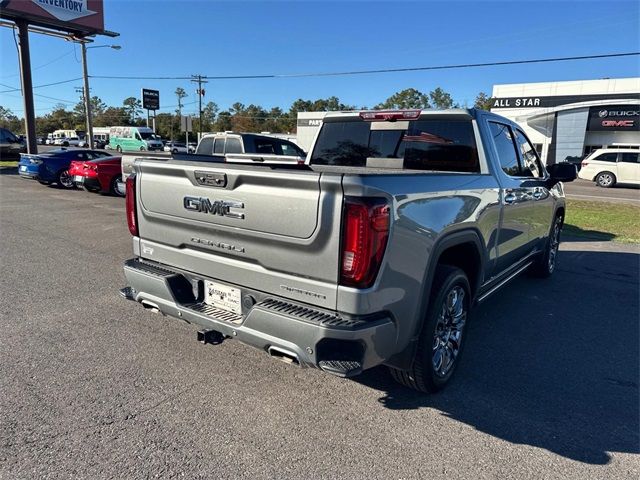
<point>618,123</point>
<point>603,113</point>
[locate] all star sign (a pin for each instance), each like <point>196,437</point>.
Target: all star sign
<point>65,10</point>
<point>81,16</point>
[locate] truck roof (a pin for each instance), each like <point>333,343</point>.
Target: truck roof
<point>461,112</point>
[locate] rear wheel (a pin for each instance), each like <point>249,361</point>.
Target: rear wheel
<point>606,179</point>
<point>118,148</point>
<point>64,179</point>
<point>117,187</point>
<point>442,337</point>
<point>142,149</point>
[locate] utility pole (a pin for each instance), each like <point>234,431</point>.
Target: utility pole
<point>27,86</point>
<point>199,79</point>
<point>87,97</point>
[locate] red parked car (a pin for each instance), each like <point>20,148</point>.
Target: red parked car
<point>101,175</point>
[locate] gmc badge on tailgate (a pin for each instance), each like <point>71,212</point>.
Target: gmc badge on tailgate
<point>215,207</point>
<point>211,179</point>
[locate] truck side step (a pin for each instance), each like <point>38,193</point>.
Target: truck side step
<point>341,368</point>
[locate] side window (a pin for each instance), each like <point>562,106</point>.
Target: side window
<point>531,166</point>
<point>233,145</point>
<point>3,137</point>
<point>290,150</point>
<point>629,157</point>
<point>205,147</point>
<point>503,141</point>
<point>607,157</point>
<point>218,146</point>
<point>265,146</point>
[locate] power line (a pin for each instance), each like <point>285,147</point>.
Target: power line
<point>45,85</point>
<point>381,70</point>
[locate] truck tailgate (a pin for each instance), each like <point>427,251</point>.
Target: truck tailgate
<point>265,228</point>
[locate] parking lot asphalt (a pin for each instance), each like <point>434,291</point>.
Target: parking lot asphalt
<point>93,386</point>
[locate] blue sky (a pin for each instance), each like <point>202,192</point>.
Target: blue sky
<point>180,38</point>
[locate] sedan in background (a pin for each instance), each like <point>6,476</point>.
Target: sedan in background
<point>53,166</point>
<point>102,175</point>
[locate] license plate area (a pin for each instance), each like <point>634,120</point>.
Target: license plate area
<point>222,296</point>
<point>78,179</point>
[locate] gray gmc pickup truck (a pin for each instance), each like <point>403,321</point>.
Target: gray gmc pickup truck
<point>373,252</point>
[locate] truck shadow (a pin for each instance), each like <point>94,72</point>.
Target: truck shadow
<point>549,363</point>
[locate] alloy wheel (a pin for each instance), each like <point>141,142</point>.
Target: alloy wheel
<point>605,179</point>
<point>447,337</point>
<point>554,244</point>
<point>65,179</point>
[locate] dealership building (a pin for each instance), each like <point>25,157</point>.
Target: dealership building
<point>568,120</point>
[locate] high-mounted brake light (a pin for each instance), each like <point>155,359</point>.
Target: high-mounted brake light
<point>390,115</point>
<point>132,214</point>
<point>364,238</point>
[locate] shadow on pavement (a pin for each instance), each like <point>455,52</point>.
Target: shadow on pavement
<point>549,363</point>
<point>572,233</point>
<point>8,170</point>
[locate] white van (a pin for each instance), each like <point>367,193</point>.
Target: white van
<point>609,166</point>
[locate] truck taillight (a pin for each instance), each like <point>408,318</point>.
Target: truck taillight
<point>364,238</point>
<point>132,214</point>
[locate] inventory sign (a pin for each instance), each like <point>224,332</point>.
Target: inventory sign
<point>150,99</point>
<point>81,16</point>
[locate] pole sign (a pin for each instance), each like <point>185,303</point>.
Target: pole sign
<point>614,117</point>
<point>150,99</point>
<point>186,124</point>
<point>85,17</point>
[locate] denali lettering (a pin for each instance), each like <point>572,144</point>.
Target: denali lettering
<point>286,288</point>
<point>217,207</point>
<point>222,245</point>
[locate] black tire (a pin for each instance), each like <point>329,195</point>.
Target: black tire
<point>118,148</point>
<point>605,179</point>
<point>423,375</point>
<point>175,150</point>
<point>114,188</point>
<point>545,264</point>
<point>64,180</point>
<point>65,144</point>
<point>142,149</point>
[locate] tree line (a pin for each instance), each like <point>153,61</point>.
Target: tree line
<point>239,117</point>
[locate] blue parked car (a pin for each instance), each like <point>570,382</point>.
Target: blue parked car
<point>53,166</point>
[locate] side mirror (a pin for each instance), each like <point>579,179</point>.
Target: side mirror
<point>562,172</point>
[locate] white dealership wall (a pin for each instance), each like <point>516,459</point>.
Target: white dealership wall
<point>560,117</point>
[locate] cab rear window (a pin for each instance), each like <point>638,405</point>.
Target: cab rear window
<point>442,145</point>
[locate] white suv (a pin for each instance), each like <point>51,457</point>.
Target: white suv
<point>608,166</point>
